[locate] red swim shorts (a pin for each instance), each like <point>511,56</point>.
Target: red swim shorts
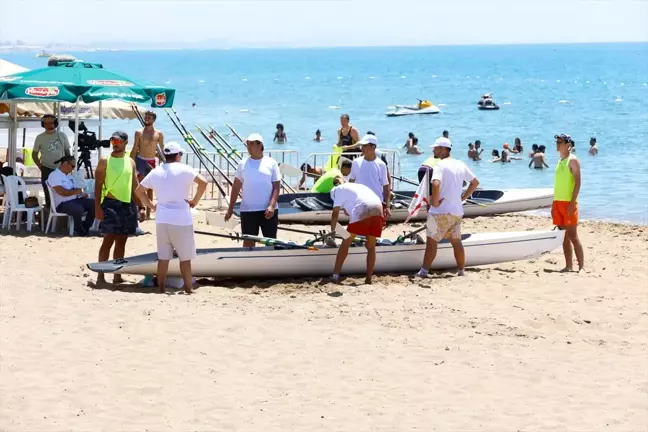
<point>560,216</point>
<point>371,226</point>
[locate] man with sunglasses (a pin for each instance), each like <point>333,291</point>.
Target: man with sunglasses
<point>49,147</point>
<point>564,210</point>
<point>115,201</point>
<point>258,176</point>
<point>144,150</point>
<point>70,199</point>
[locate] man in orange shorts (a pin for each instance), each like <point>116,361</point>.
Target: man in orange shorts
<point>365,211</point>
<point>564,210</point>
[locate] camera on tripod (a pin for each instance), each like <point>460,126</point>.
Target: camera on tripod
<point>88,140</point>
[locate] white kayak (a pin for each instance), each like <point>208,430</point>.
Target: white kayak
<point>309,207</point>
<point>403,110</point>
<point>279,261</point>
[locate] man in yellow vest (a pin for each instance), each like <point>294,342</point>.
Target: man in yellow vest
<point>115,201</point>
<point>564,210</point>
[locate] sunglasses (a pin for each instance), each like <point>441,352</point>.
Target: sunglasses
<point>116,141</point>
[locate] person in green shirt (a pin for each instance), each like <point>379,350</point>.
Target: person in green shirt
<point>325,183</point>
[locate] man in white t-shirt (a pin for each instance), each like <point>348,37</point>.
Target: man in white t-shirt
<point>69,198</point>
<point>172,182</point>
<point>365,212</point>
<point>446,210</point>
<point>370,171</point>
<point>258,177</point>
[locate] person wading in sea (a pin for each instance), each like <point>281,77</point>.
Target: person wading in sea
<point>115,201</point>
<point>564,210</point>
<point>348,137</point>
<point>446,205</point>
<point>144,151</point>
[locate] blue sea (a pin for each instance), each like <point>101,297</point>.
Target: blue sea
<point>597,90</point>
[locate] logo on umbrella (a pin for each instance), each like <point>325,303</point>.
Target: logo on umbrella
<point>9,78</point>
<point>160,99</point>
<point>42,91</point>
<point>110,83</point>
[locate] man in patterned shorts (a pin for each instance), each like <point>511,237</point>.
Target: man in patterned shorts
<point>446,210</point>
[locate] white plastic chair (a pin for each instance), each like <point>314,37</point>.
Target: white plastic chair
<point>53,214</point>
<point>14,185</point>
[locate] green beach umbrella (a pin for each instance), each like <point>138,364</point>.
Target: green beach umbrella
<point>80,81</point>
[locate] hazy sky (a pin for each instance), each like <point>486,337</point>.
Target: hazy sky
<point>324,22</point>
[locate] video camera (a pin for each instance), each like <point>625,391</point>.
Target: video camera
<point>87,139</point>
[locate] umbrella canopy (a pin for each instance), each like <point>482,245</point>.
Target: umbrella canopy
<point>87,82</point>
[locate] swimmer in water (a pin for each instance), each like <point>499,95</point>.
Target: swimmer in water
<point>593,150</point>
<point>318,136</point>
<point>538,159</point>
<point>517,147</point>
<point>413,147</point>
<point>534,150</point>
<point>408,143</point>
<point>280,136</point>
<point>473,154</point>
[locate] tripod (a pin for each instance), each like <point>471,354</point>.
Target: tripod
<point>84,158</point>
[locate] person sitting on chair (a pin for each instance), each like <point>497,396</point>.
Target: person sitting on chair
<point>70,199</point>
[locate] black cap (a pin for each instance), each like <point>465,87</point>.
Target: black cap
<point>120,135</point>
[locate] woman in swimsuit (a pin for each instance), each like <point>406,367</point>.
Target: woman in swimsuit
<point>280,136</point>
<point>347,138</point>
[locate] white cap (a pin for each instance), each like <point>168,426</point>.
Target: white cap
<point>254,137</point>
<point>369,139</point>
<point>442,142</point>
<point>172,148</point>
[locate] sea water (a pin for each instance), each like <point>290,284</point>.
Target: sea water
<point>597,90</point>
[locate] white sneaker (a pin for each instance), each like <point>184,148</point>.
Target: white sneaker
<point>420,274</point>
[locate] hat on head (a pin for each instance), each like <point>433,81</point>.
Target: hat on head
<point>369,139</point>
<point>254,137</point>
<point>565,138</point>
<point>442,142</point>
<point>120,135</point>
<point>172,148</point>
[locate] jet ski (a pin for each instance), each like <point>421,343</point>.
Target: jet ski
<point>423,107</point>
<point>486,103</point>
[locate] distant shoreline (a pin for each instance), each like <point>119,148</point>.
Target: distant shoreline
<point>15,49</point>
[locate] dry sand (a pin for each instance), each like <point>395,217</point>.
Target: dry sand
<point>508,347</point>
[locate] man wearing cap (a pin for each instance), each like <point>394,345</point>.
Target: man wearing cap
<point>49,147</point>
<point>446,210</point>
<point>564,210</point>
<point>144,152</point>
<point>115,201</point>
<point>371,171</point>
<point>258,176</point>
<point>365,218</point>
<point>172,183</point>
<point>70,199</point>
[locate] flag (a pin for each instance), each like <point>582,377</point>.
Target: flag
<point>421,196</point>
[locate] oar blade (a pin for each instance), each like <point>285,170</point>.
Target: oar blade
<point>290,171</point>
<point>341,231</point>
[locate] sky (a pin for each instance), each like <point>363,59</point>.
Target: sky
<point>218,23</point>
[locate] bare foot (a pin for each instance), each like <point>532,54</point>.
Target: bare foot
<point>100,283</point>
<point>118,279</point>
<point>161,289</point>
<point>567,270</point>
<point>188,290</point>
<point>368,280</point>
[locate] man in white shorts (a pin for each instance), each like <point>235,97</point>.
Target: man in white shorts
<point>446,210</point>
<point>172,183</point>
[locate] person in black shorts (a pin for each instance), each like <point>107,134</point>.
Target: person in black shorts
<point>258,176</point>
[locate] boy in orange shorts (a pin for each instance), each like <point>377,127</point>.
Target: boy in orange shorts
<point>365,211</point>
<point>564,210</point>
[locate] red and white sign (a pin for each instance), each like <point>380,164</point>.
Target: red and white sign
<point>110,83</point>
<point>160,99</point>
<point>9,78</point>
<point>42,91</point>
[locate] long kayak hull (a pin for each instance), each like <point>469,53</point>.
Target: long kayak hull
<point>269,262</point>
<point>403,110</point>
<point>494,202</point>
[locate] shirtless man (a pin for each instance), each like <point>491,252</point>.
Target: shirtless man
<point>538,159</point>
<point>144,151</point>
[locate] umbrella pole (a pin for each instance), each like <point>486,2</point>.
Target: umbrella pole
<point>100,127</point>
<point>13,134</point>
<point>76,128</point>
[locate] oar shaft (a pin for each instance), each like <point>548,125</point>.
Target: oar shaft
<point>262,240</point>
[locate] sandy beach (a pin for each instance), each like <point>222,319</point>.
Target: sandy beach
<point>509,347</point>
